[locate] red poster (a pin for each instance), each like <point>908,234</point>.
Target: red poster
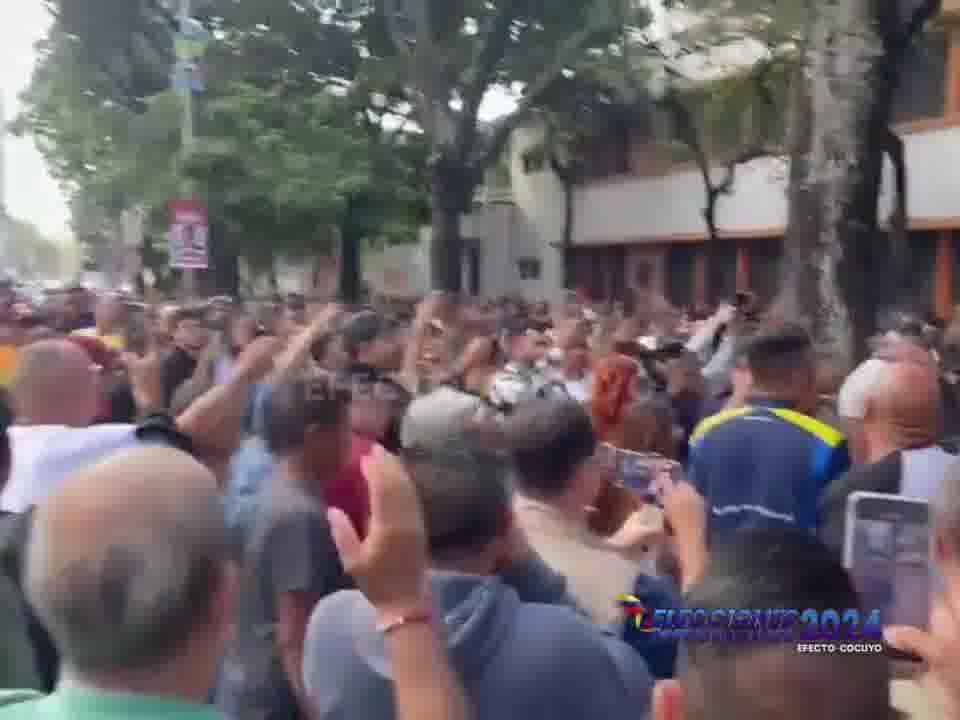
<point>189,231</point>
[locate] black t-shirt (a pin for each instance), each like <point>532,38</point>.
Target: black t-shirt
<point>879,477</point>
<point>290,550</point>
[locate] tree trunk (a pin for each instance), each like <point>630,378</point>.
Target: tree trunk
<point>566,260</point>
<point>842,109</point>
<point>452,187</point>
<point>349,279</point>
<point>223,277</point>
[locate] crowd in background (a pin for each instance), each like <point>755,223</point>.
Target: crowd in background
<point>293,509</point>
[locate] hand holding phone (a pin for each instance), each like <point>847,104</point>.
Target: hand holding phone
<point>887,550</point>
<point>647,475</point>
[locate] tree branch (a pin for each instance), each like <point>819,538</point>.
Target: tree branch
<point>564,55</point>
<point>742,157</point>
<point>492,50</point>
<point>391,17</point>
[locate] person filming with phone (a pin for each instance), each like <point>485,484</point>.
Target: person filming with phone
<point>899,433</point>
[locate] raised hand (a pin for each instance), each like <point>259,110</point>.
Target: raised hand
<point>390,564</point>
<point>257,360</point>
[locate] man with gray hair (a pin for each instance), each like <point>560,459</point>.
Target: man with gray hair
<point>135,586</point>
<point>511,640</point>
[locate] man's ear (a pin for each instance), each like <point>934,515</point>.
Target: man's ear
<point>669,701</point>
<point>944,554</point>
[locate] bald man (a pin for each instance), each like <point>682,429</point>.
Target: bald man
<point>135,586</point>
<point>55,394</point>
<point>899,433</point>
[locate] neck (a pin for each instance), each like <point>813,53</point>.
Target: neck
<point>104,328</point>
<point>770,395</point>
<point>880,447</point>
<point>570,505</point>
<point>294,468</point>
<point>881,443</point>
<point>176,681</point>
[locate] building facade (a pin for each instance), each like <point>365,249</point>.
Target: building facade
<point>637,212</point>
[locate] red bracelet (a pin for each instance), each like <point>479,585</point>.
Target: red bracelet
<point>416,617</point>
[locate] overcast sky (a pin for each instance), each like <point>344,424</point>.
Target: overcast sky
<point>31,194</point>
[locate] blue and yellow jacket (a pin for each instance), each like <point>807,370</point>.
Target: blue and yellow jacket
<point>764,465</point>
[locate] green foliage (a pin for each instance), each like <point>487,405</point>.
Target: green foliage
<point>279,153</point>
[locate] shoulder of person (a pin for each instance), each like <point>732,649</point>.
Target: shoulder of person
<point>23,704</point>
<point>821,431</point>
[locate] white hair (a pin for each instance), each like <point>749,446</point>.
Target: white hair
<point>861,387</point>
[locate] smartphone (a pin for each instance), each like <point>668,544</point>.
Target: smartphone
<point>642,473</point>
<point>888,552</point>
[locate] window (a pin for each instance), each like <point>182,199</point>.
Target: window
<point>681,260</point>
<point>722,272</point>
<point>922,90</point>
<point>529,268</point>
<point>765,256</point>
<point>921,268</point>
<point>534,161</point>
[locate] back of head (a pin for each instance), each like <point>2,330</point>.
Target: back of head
<point>781,356</point>
<point>296,406</point>
<point>613,379</point>
<point>126,560</point>
<point>465,499</point>
<point>54,384</point>
<point>438,417</point>
<point>906,401</point>
<point>779,569</point>
<point>549,439</point>
<point>647,425</point>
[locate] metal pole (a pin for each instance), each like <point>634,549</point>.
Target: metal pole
<point>189,287</point>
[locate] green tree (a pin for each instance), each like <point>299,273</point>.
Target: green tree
<point>835,273</point>
<point>275,176</point>
<point>449,54</point>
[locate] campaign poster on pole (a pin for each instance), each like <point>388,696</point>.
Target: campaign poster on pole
<point>189,231</point>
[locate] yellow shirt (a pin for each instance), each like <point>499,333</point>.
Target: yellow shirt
<point>9,359</point>
<point>113,342</point>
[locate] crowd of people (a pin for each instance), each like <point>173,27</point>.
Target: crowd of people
<point>418,512</point>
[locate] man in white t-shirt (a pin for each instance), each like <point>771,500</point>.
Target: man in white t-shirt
<point>56,396</point>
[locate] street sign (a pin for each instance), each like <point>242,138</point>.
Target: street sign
<point>189,230</point>
<point>189,77</point>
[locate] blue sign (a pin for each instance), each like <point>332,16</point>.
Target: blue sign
<point>189,78</point>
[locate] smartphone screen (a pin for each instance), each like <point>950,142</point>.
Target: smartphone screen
<point>888,553</point>
<point>641,473</point>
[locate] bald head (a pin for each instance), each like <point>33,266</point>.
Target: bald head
<point>126,558</point>
<point>54,384</point>
<point>906,399</point>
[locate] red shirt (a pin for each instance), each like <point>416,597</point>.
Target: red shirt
<point>348,491</point>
